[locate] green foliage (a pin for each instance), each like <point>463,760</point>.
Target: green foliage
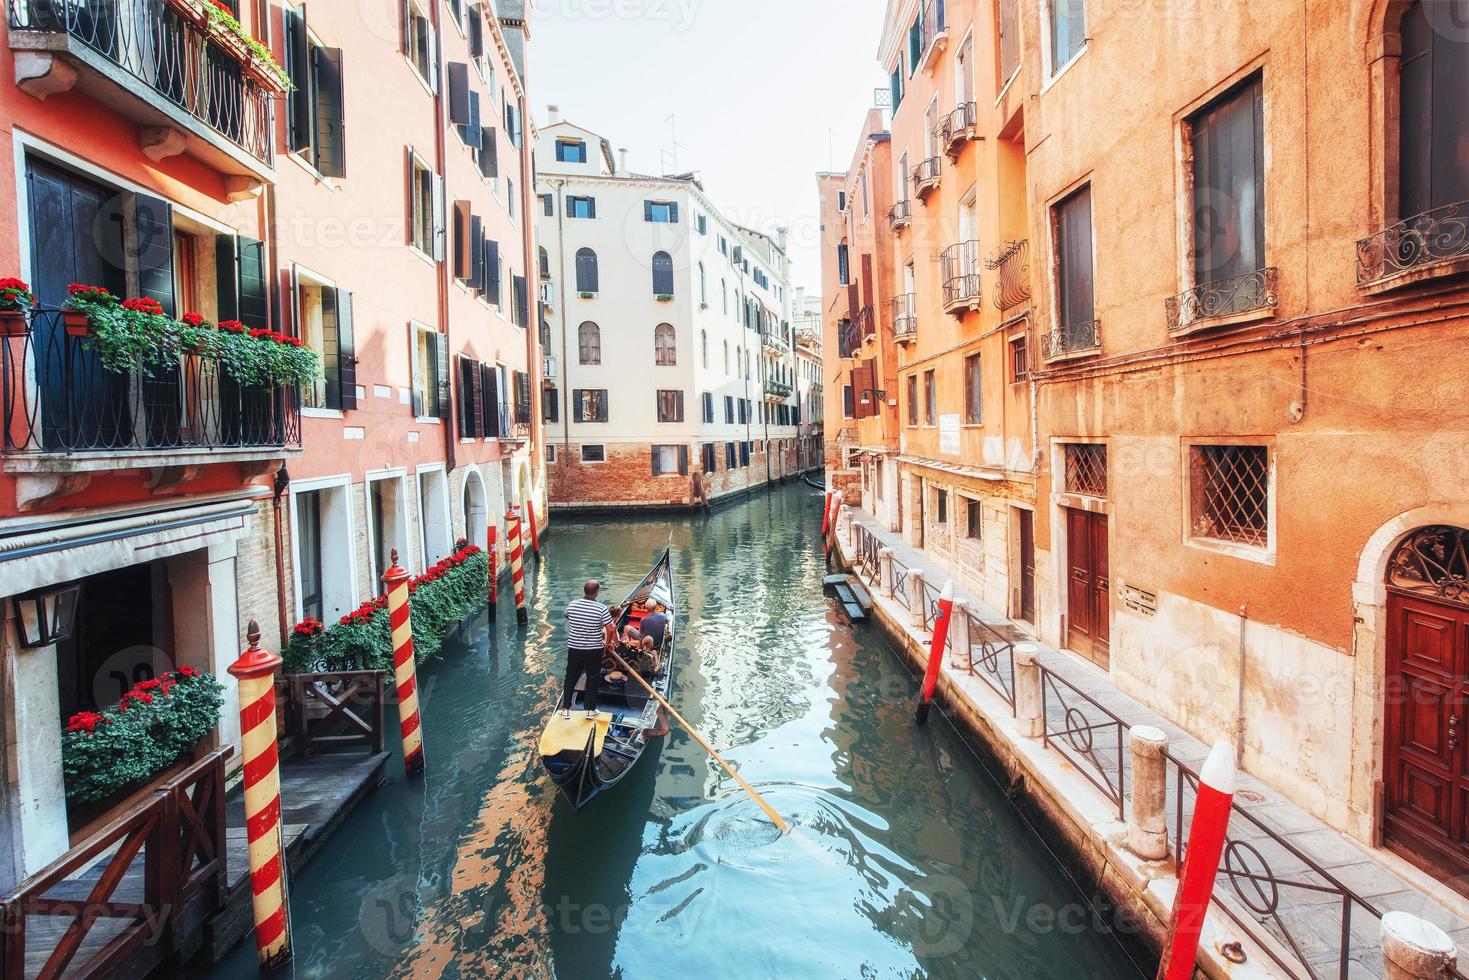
<point>224,22</point>
<point>106,753</point>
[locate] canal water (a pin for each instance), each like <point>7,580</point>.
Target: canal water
<point>906,859</point>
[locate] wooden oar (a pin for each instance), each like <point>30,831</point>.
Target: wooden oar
<point>775,818</point>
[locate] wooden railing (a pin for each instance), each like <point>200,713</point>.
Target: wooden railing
<point>327,712</point>
<point>133,887</point>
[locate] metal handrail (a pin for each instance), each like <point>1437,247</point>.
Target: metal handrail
<point>926,173</point>
<point>1223,297</point>
<point>960,266</point>
<point>1423,240</point>
<point>1072,338</point>
<point>1013,264</point>
<point>996,665</point>
<point>901,213</point>
<point>1076,738</point>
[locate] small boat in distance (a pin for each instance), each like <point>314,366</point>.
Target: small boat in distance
<point>585,757</point>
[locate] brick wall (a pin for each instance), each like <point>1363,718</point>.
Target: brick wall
<point>255,575</point>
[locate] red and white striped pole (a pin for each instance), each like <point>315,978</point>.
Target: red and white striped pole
<point>936,651</point>
<point>1200,863</point>
<point>494,571</point>
<point>832,512</point>
<point>535,534</point>
<point>405,673</point>
<point>517,567</point>
<point>255,672</point>
<point>826,513</point>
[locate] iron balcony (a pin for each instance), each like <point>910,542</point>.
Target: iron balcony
<point>1236,299</point>
<point>900,215</point>
<point>926,177</point>
<point>960,264</point>
<point>1012,286</point>
<point>1427,245</point>
<point>1072,340</point>
<point>958,128</point>
<point>905,318</point>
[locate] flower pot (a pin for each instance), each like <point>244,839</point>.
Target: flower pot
<point>76,323</point>
<point>12,323</point>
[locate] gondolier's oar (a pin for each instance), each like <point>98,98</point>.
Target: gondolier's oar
<point>775,818</point>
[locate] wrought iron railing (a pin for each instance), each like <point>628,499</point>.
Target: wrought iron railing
<point>1013,285</point>
<point>958,127</point>
<point>935,23</point>
<point>960,265</point>
<point>1090,736</point>
<point>900,214</point>
<point>173,53</point>
<point>926,175</point>
<point>57,397</point>
<point>996,661</point>
<point>1222,298</point>
<point>866,322</point>
<point>849,338</point>
<point>778,389</point>
<point>900,584</point>
<point>905,316</point>
<point>867,548</point>
<point>1440,235</point>
<point>1072,338</point>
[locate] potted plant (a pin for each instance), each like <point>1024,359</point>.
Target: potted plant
<point>15,299</point>
<point>82,303</point>
<point>587,294</point>
<point>664,297</point>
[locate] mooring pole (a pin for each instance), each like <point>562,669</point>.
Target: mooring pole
<point>494,571</point>
<point>405,672</point>
<point>1200,863</point>
<point>936,651</point>
<point>517,566</point>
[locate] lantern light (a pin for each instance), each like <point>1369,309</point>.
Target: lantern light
<point>47,616</point>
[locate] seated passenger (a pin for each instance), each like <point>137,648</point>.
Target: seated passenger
<point>632,637</point>
<point>655,625</point>
<point>647,663</point>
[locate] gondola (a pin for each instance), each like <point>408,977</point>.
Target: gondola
<point>586,757</point>
<point>813,484</point>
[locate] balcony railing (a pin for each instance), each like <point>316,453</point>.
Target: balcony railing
<point>926,176</point>
<point>905,317</point>
<point>774,344</point>
<point>958,128</point>
<point>1072,339</point>
<point>57,398</point>
<point>960,264</point>
<point>168,47</point>
<point>1422,242</point>
<point>900,215</point>
<point>548,368</point>
<point>777,389</point>
<point>1013,264</point>
<point>1224,298</point>
<point>849,338</point>
<point>866,322</point>
<point>935,31</point>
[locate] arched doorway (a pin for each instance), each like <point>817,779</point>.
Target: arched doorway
<point>476,509</point>
<point>1426,722</point>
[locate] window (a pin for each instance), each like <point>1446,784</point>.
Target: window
<point>844,272</point>
<point>1019,359</point>
<point>522,398</point>
<point>464,106</point>
<point>665,346</point>
<point>314,108</point>
<point>420,43</point>
<point>729,409</point>
<point>895,84</point>
<point>550,403</point>
<point>1073,226</point>
<point>1230,493</point>
<point>324,323</point>
<point>701,222</point>
<point>388,515</point>
<point>915,42</point>
<point>704,348</point>
<point>1229,186</point>
<point>589,343</point>
<point>1433,126</point>
<point>430,372</point>
<point>708,401</point>
<point>308,552</point>
<point>660,212</point>
<point>581,207</point>
<point>593,454</point>
<point>548,205</point>
<point>703,287</point>
<point>729,455</point>
<point>662,274</point>
<point>929,403</point>
<point>670,460</point>
<point>726,357</point>
<point>841,200</point>
<point>866,202</point>
<point>941,507</point>
<point>724,297</point>
<point>670,405</point>
<point>571,151</point>
<point>710,459</point>
<point>1068,31</point>
<point>973,519</point>
<point>550,452</point>
<point>426,202</point>
<point>744,454</point>
<point>589,404</point>
<point>1086,469</point>
<point>586,271</point>
<point>912,399</point>
<point>973,391</point>
<point>1009,27</point>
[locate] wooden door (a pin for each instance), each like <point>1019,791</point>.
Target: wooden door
<point>1089,626</point>
<point>1027,565</point>
<point>1426,765</point>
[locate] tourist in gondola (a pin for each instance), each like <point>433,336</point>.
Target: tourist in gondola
<point>590,631</point>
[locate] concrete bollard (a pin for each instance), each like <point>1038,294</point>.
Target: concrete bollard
<point>885,572</point>
<point>1413,949</point>
<point>846,532</point>
<point>959,636</point>
<point>917,603</point>
<point>1147,823</point>
<point>1028,691</point>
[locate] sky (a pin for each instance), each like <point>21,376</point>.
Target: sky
<point>762,95</point>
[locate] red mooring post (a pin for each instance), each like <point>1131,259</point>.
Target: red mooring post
<point>830,523</point>
<point>494,570</point>
<point>535,533</point>
<point>1200,863</point>
<point>826,513</point>
<point>936,652</point>
<point>517,565</point>
<point>405,669</point>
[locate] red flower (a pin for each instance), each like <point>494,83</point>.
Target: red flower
<point>11,282</point>
<point>193,319</point>
<point>81,289</point>
<point>232,326</point>
<point>143,698</point>
<point>85,721</point>
<point>187,671</point>
<point>148,685</point>
<point>143,304</point>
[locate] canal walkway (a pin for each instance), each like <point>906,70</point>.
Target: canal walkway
<point>1299,898</point>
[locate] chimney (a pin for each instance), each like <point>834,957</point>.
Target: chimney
<point>622,156</point>
<point>782,236</point>
<point>554,113</point>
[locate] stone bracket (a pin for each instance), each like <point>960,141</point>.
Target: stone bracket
<point>161,142</point>
<point>41,74</point>
<point>34,490</point>
<point>162,478</point>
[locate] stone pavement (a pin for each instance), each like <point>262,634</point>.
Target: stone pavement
<point>1288,877</point>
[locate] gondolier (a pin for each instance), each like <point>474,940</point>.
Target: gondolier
<point>590,631</point>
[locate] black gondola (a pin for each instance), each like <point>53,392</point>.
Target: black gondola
<point>585,757</point>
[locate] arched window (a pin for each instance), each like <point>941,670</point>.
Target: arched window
<point>586,271</point>
<point>704,347</point>
<point>1433,129</point>
<point>665,346</point>
<point>545,263</point>
<point>662,274</point>
<point>724,295</point>
<point>589,341</point>
<point>726,357</point>
<point>703,290</point>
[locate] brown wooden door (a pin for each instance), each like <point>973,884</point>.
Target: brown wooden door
<point>1027,566</point>
<point>1089,623</point>
<point>1426,767</point>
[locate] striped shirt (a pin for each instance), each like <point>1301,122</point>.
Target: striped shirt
<point>586,623</point>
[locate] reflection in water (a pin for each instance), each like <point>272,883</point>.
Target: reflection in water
<point>906,859</point>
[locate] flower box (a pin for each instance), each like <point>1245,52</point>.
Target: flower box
<point>15,298</point>
<point>664,297</point>
<point>587,294</point>
<point>76,323</point>
<point>13,323</point>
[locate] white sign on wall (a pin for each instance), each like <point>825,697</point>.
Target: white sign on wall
<point>949,435</point>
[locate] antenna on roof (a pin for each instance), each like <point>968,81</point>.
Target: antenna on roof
<point>670,158</point>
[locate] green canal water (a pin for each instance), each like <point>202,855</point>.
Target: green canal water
<point>906,861</point>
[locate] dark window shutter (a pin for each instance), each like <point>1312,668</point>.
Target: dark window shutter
<point>346,352</point>
<point>331,341</point>
<point>489,153</point>
<point>463,397</point>
<point>410,199</point>
<point>591,207</point>
<point>548,203</point>
<point>440,233</point>
<point>602,406</point>
<point>153,225</point>
<point>458,93</point>
<point>522,300</point>
<point>331,143</point>
<point>298,67</point>
<point>474,132</point>
<point>254,308</point>
<point>490,400</point>
<point>226,278</point>
<point>463,243</point>
<point>405,38</point>
<point>647,210</point>
<point>492,270</point>
<point>522,381</point>
<point>673,212</point>
<point>679,403</point>
<point>441,375</point>
<point>683,460</point>
<point>476,253</point>
<point>476,33</point>
<point>653,459</point>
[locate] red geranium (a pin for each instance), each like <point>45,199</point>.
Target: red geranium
<point>232,326</point>
<point>187,671</point>
<point>148,685</point>
<point>143,304</point>
<point>193,319</point>
<point>85,721</point>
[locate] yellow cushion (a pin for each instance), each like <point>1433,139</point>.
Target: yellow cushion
<point>570,734</point>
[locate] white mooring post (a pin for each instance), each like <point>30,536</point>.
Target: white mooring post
<point>1414,949</point>
<point>1028,691</point>
<point>917,611</point>
<point>885,572</point>
<point>1147,823</point>
<point>959,635</point>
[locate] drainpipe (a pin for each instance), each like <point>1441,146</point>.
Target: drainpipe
<point>560,186</point>
<point>282,483</point>
<point>441,122</point>
<point>1239,714</point>
<point>533,365</point>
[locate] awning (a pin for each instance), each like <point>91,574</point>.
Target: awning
<point>957,469</point>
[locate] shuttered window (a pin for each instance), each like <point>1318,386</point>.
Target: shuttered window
<point>668,460</point>
<point>660,212</point>
<point>1433,124</point>
<point>467,400</point>
<point>709,407</point>
<point>589,404</point>
<point>670,405</point>
<point>492,423</point>
<point>1229,184</point>
<point>420,43</point>
<point>464,105</point>
<point>1073,222</point>
<point>522,398</point>
<point>426,221</point>
<point>488,156</point>
<point>665,345</point>
<point>581,207</point>
<point>662,274</point>
<point>586,271</point>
